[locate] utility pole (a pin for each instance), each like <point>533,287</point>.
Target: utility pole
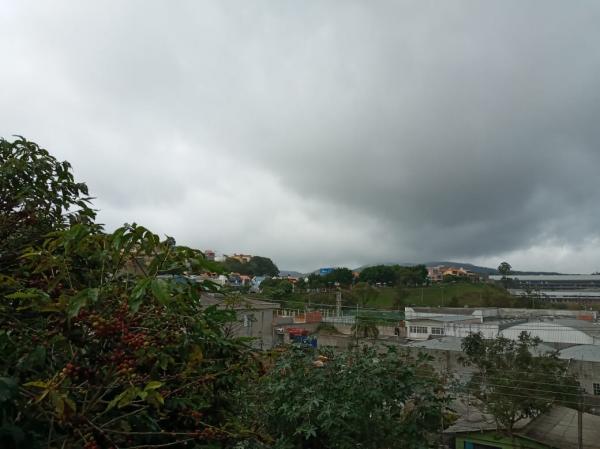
<point>338,303</point>
<point>356,325</point>
<point>580,421</point>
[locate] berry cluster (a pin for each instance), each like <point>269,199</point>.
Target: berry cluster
<point>103,327</point>
<point>127,366</point>
<point>91,444</point>
<point>76,372</point>
<point>135,341</point>
<point>210,433</point>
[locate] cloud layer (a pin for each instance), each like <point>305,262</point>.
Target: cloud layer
<point>321,133</point>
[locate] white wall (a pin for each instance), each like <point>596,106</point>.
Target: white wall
<point>462,329</point>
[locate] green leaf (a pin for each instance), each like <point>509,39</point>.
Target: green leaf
<point>160,290</point>
<point>35,383</point>
<point>27,294</point>
<point>124,398</point>
<point>155,398</point>
<point>153,385</point>
<point>76,303</point>
<point>83,298</point>
<point>138,293</point>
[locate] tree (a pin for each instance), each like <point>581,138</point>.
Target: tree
<point>342,276</point>
<point>504,269</point>
<point>350,398</point>
<point>365,327</point>
<point>379,274</point>
<point>94,353</point>
<point>277,289</point>
<point>257,266</point>
<point>515,380</point>
<point>411,276</point>
<point>316,281</point>
<point>262,266</point>
<point>38,194</point>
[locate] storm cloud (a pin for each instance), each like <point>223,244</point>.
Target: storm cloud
<point>324,133</point>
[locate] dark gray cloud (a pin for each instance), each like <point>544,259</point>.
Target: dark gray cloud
<point>324,133</point>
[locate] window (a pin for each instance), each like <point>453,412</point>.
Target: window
<point>418,329</point>
<point>248,319</point>
<point>596,389</point>
<point>437,331</point>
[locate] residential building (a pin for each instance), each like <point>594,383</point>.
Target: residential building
<point>436,326</point>
<point>209,255</point>
<point>243,258</point>
<point>254,318</point>
<point>436,274</point>
<point>441,272</point>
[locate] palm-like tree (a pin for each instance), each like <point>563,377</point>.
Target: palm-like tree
<point>365,327</point>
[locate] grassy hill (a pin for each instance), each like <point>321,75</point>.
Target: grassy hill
<point>456,295</point>
<point>391,298</point>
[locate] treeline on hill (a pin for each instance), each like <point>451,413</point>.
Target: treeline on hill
<point>389,275</point>
<point>99,350</point>
<point>362,292</point>
<point>256,266</point>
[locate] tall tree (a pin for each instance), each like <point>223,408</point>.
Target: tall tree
<point>365,327</point>
<point>504,269</point>
<point>515,380</point>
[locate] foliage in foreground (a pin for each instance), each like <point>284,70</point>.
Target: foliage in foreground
<point>96,347</point>
<point>339,400</point>
<point>92,355</point>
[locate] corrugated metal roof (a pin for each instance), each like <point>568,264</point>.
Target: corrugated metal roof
<point>549,277</point>
<point>587,327</point>
<point>558,428</point>
<point>587,353</point>
<point>440,344</point>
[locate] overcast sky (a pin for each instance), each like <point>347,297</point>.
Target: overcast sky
<point>323,133</point>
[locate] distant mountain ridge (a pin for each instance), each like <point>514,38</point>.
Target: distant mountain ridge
<point>467,266</point>
<point>484,270</point>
